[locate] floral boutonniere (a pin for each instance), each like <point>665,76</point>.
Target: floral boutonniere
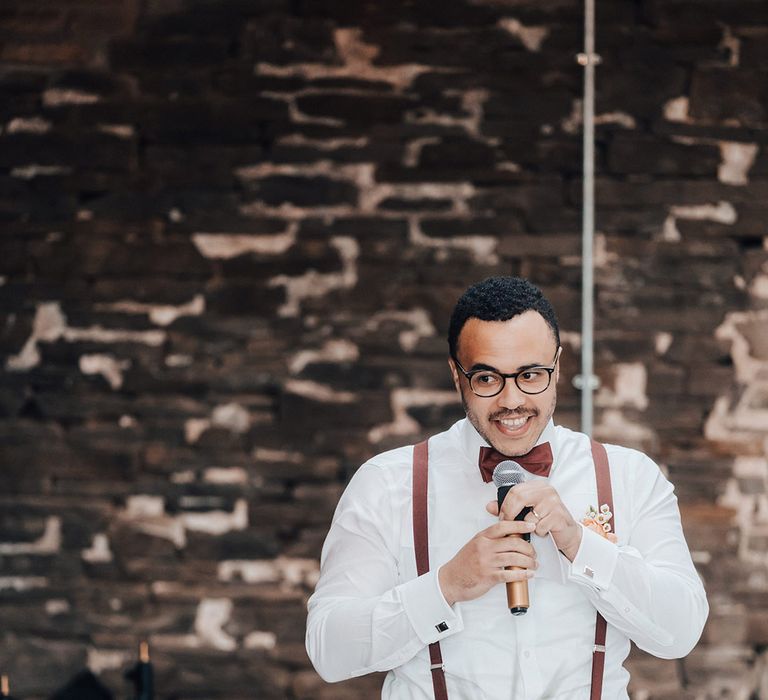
<point>598,521</point>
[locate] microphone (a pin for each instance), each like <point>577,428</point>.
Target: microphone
<point>506,475</point>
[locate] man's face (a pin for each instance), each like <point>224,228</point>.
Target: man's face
<point>511,421</point>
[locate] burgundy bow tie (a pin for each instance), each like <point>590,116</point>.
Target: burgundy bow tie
<point>538,461</point>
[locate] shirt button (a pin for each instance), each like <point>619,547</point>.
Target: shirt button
<point>526,654</point>
<point>627,609</point>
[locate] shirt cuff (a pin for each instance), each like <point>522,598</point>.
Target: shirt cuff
<point>428,611</point>
<point>595,561</point>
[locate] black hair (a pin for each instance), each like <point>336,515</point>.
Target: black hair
<point>499,299</point>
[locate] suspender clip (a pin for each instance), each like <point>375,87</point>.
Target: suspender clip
<point>598,649</point>
<point>435,667</point>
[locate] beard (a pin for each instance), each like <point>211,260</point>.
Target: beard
<point>482,428</point>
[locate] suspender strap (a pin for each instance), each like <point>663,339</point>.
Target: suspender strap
<point>421,547</point>
<point>604,495</point>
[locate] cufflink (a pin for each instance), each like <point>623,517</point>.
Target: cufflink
<point>588,572</point>
<point>442,627</point>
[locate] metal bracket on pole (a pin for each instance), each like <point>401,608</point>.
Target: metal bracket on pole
<point>592,385</point>
<point>584,59</point>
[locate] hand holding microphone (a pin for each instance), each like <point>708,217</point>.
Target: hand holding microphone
<point>538,503</point>
<point>506,475</point>
<point>500,553</point>
<point>487,559</point>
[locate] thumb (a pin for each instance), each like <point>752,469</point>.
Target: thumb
<point>492,507</point>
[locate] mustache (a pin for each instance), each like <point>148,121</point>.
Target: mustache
<point>510,413</point>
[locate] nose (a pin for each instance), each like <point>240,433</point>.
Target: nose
<point>511,396</point>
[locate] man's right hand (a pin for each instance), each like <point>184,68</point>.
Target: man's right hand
<point>480,564</point>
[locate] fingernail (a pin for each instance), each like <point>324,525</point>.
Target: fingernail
<point>529,574</point>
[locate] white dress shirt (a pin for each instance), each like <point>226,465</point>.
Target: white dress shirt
<point>371,612</point>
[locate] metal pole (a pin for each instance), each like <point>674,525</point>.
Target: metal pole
<point>588,59</point>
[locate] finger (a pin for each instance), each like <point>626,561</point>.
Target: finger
<point>510,575</point>
<point>542,499</point>
<point>528,490</point>
<point>513,543</point>
<point>516,559</point>
<point>549,522</point>
<point>532,517</point>
<point>492,507</point>
<point>514,503</point>
<point>504,528</point>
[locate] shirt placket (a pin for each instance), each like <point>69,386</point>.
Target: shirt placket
<point>527,656</point>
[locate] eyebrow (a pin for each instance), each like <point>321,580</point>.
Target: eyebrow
<point>480,366</point>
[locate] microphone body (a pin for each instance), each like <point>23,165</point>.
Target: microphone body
<point>506,475</point>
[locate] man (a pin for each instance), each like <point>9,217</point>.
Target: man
<point>371,612</point>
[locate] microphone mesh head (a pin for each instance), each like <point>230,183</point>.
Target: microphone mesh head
<point>508,473</point>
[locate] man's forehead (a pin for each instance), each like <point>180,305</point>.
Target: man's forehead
<point>528,332</point>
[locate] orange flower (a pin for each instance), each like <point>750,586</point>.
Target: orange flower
<point>592,524</point>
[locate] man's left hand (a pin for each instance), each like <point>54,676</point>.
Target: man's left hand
<point>549,514</point>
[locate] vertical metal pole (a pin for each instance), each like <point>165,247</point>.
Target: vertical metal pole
<point>588,59</point>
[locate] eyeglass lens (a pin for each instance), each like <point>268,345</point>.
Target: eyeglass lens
<point>532,381</point>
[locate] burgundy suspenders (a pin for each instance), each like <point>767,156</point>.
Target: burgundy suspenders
<point>421,548</point>
<point>604,495</point>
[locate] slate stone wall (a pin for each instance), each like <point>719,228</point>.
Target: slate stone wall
<point>232,233</point>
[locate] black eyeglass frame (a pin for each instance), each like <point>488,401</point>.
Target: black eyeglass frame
<point>511,375</point>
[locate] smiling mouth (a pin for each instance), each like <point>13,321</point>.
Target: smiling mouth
<point>513,423</point>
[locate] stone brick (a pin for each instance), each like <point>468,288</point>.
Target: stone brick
<point>424,204</point>
<point>36,53</point>
<point>753,51</point>
<point>757,628</point>
<point>284,39</point>
<point>355,110</point>
<point>737,12</point>
<point>300,413</point>
<point>456,154</point>
<point>203,121</point>
<point>500,225</point>
<point>304,191</point>
<point>724,93</point>
<point>625,77</point>
<point>665,379</point>
<point>522,246</point>
<point>682,22</point>
<point>468,46</point>
<point>542,194</point>
<point>78,150</point>
<point>179,53</point>
<point>647,192</point>
<point>636,154</point>
<point>32,20</point>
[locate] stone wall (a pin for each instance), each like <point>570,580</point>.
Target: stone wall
<point>232,233</point>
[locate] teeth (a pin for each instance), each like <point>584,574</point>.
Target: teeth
<point>513,422</point>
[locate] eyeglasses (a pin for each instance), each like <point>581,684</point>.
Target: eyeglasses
<point>487,383</point>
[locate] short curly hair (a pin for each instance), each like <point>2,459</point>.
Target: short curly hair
<point>499,299</point>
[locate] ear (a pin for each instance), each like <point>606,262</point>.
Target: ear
<point>557,364</point>
<point>454,374</point>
